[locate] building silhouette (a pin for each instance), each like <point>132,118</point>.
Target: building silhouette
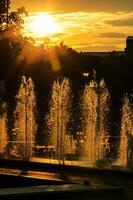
<point>129,46</point>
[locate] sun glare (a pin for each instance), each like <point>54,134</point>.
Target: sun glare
<point>43,25</point>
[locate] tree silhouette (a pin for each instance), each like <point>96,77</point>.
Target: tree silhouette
<point>11,38</point>
<point>4,14</point>
<point>11,22</point>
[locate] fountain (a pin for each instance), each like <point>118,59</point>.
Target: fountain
<point>59,116</point>
<point>90,146</point>
<point>95,110</point>
<point>24,121</point>
<point>3,119</point>
<point>102,121</point>
<point>125,154</point>
<point>3,128</point>
<point>90,103</point>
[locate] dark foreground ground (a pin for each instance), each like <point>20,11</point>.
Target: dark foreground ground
<point>34,180</point>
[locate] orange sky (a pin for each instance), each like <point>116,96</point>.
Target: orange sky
<point>97,25</point>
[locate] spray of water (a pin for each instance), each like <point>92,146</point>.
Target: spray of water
<point>90,103</point>
<point>24,125</point>
<point>3,128</point>
<point>102,139</point>
<point>126,134</point>
<point>58,119</point>
<point>95,111</point>
<point>94,136</point>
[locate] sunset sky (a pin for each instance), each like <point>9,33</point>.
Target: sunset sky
<point>98,25</point>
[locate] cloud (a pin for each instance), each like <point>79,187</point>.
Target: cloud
<point>112,35</point>
<point>75,5</point>
<point>59,34</point>
<point>92,31</point>
<point>121,22</point>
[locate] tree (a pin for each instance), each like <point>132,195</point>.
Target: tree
<point>16,21</point>
<point>4,14</point>
<point>11,22</point>
<point>11,38</point>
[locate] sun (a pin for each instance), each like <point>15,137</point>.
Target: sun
<point>43,25</point>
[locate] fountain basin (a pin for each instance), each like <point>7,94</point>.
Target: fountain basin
<point>71,182</point>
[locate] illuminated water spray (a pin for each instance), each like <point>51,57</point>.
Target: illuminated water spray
<point>3,119</point>
<point>24,125</point>
<point>3,128</point>
<point>95,111</point>
<point>90,103</point>
<point>125,155</point>
<point>58,119</point>
<point>102,121</point>
<point>93,144</point>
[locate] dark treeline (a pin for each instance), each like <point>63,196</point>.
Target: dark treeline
<point>45,64</point>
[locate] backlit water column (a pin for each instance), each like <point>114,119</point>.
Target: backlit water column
<point>103,109</point>
<point>3,127</point>
<point>24,125</point>
<point>90,104</point>
<point>3,119</point>
<point>58,118</point>
<point>95,110</point>
<point>125,155</point>
<point>31,122</point>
